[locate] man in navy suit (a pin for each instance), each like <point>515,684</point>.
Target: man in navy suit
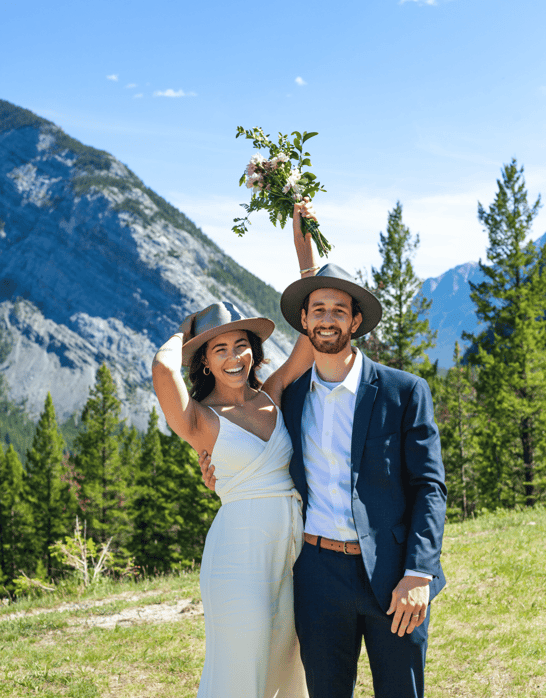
<point>368,466</point>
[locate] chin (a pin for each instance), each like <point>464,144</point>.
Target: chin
<point>325,347</point>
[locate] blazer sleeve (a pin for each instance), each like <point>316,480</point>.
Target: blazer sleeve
<point>425,482</point>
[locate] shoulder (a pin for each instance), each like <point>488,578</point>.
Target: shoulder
<point>299,386</point>
<point>392,379</point>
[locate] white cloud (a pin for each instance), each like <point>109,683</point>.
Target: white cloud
<point>114,78</point>
<point>139,95</point>
<point>300,81</point>
<point>173,93</point>
<point>131,86</point>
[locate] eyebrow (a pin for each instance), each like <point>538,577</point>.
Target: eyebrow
<point>224,344</point>
<point>337,304</point>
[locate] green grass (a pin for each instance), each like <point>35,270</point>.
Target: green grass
<point>487,632</point>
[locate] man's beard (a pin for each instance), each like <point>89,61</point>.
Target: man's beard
<point>328,346</point>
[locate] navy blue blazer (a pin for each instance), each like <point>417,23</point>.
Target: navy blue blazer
<point>397,475</point>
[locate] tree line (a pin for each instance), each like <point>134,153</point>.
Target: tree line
<point>145,490</point>
<point>491,405</point>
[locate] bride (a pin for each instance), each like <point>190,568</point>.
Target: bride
<point>246,572</point>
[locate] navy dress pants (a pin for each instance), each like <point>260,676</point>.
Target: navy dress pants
<point>335,608</point>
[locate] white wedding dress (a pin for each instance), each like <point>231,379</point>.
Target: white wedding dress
<point>246,572</point>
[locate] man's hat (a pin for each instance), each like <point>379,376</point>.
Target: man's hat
<point>219,318</point>
<point>331,276</point>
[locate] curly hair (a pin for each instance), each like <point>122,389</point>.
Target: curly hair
<point>203,385</point>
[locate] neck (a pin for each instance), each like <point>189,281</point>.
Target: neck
<point>231,396</point>
<point>334,368</point>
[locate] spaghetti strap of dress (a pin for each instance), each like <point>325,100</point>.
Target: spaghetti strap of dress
<point>269,396</point>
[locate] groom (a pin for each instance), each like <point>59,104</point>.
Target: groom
<point>368,466</point>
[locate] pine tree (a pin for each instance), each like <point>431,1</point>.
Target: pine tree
<point>15,522</point>
<point>48,494</point>
<point>99,465</point>
<point>154,543</point>
<point>402,337</point>
<point>457,414</point>
<point>511,351</point>
<point>195,505</point>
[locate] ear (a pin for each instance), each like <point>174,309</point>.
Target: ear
<point>304,319</point>
<point>357,321</point>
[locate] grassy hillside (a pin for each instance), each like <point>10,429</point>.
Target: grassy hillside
<point>487,637</point>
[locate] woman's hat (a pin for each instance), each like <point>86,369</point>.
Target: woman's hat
<point>219,318</point>
<point>331,276</point>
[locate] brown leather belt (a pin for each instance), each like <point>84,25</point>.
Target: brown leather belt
<point>338,545</point>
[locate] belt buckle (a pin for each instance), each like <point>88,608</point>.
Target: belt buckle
<point>345,548</point>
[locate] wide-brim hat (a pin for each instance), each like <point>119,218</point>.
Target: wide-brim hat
<point>219,318</point>
<point>331,276</point>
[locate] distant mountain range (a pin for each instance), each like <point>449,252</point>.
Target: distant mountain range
<point>452,311</point>
<point>96,267</point>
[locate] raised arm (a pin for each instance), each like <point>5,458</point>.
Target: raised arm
<point>301,357</point>
<point>183,414</point>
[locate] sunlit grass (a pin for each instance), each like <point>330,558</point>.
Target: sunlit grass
<point>487,633</point>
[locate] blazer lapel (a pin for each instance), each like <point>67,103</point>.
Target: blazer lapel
<point>293,413</point>
<point>365,399</point>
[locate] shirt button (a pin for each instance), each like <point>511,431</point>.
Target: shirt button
<point>334,491</point>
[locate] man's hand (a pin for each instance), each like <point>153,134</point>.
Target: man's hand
<point>207,471</point>
<point>409,604</point>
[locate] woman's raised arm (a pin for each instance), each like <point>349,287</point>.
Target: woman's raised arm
<point>183,414</point>
<point>301,357</point>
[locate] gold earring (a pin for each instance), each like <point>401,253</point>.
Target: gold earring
<point>206,371</point>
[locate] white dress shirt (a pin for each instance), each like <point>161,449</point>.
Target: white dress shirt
<point>327,420</point>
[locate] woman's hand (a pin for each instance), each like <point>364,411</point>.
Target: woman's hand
<point>186,327</point>
<point>207,470</point>
<point>307,256</point>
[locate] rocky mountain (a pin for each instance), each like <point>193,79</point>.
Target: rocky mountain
<point>95,267</point>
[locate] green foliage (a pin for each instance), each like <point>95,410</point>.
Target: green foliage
<point>511,352</point>
<point>402,337</point>
<point>154,516</point>
<point>195,506</point>
<point>13,117</point>
<point>458,415</point>
<point>98,463</point>
<point>48,495</point>
<point>15,519</point>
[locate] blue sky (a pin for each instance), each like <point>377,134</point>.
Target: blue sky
<point>420,101</point>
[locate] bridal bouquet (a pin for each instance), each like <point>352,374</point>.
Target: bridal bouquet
<point>277,183</point>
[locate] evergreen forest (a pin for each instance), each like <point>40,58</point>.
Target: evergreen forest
<point>142,494</point>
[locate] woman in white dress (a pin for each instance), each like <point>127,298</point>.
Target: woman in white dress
<point>246,572</point>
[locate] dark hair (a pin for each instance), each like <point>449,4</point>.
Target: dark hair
<point>355,307</point>
<point>203,385</point>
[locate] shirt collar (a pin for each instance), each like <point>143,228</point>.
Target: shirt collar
<point>352,379</point>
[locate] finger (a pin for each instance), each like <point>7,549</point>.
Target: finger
<point>209,475</point>
<point>397,618</point>
<point>404,624</point>
<point>414,622</point>
<point>422,617</point>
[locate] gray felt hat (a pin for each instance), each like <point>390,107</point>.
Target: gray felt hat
<point>331,276</point>
<point>219,318</point>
